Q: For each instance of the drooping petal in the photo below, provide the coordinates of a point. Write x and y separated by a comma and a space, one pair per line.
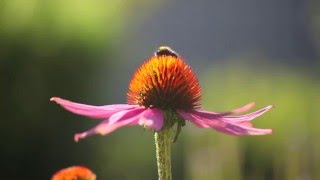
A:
248, 124
117, 120
190, 117
238, 128
242, 118
247, 117
152, 118
242, 109
99, 112
235, 111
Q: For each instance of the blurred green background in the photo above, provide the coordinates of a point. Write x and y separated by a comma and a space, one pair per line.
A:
86, 51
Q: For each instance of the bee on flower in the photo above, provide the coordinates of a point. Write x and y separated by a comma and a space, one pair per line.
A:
164, 92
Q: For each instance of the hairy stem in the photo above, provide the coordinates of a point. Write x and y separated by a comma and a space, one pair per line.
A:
163, 151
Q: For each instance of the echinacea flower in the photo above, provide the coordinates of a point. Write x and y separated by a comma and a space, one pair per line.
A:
74, 173
163, 92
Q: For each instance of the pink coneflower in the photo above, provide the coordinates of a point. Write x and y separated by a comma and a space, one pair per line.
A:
74, 173
163, 92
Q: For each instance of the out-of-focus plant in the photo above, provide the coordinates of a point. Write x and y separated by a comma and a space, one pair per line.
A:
49, 28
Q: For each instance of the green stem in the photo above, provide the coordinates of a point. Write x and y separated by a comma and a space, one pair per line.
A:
163, 151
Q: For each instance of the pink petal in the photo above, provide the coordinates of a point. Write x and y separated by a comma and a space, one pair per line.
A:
117, 120
99, 112
242, 118
151, 118
235, 111
243, 109
238, 129
223, 126
189, 116
248, 124
247, 117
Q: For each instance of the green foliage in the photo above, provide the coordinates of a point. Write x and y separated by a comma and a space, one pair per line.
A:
49, 28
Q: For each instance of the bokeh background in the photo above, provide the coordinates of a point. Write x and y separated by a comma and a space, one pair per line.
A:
86, 51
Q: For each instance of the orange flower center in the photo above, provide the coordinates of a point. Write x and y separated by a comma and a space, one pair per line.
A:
74, 173
165, 81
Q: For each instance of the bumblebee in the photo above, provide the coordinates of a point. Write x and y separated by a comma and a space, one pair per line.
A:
165, 51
